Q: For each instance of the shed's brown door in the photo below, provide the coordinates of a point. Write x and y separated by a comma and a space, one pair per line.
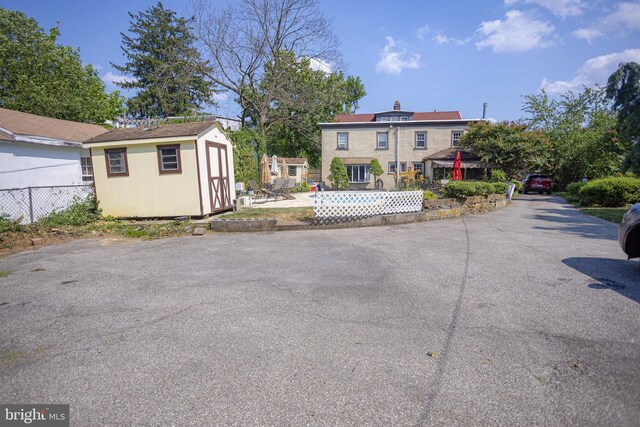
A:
218, 169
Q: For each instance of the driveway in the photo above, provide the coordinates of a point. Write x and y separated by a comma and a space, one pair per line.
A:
526, 316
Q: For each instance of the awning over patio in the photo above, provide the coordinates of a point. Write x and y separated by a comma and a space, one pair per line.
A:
356, 160
464, 165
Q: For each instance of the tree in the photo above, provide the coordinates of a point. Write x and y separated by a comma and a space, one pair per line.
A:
247, 37
581, 129
304, 98
39, 76
339, 178
244, 157
623, 87
376, 170
164, 65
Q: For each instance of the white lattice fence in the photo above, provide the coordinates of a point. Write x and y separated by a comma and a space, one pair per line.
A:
345, 204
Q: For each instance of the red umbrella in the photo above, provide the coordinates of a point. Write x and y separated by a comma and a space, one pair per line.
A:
456, 174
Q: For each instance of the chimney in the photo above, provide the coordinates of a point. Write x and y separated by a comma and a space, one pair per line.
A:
396, 106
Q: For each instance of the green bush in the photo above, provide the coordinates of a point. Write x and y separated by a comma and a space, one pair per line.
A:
81, 212
575, 187
456, 189
610, 192
518, 185
429, 195
500, 187
303, 187
498, 175
7, 225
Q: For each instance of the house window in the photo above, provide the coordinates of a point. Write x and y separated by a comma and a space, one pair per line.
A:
394, 118
169, 159
403, 167
293, 170
383, 119
392, 167
359, 173
404, 118
87, 169
343, 141
419, 168
116, 159
421, 140
455, 137
381, 141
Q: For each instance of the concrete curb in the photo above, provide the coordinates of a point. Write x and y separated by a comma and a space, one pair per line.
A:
455, 208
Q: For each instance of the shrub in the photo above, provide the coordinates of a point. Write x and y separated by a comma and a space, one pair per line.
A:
500, 187
7, 225
429, 195
456, 189
498, 175
81, 212
610, 192
575, 187
338, 177
518, 185
304, 187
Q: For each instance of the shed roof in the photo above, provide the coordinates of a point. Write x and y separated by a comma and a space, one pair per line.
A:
15, 123
290, 160
155, 131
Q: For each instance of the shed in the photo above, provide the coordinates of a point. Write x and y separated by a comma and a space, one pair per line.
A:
297, 167
164, 171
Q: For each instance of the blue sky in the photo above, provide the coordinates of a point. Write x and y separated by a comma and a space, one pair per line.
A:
429, 55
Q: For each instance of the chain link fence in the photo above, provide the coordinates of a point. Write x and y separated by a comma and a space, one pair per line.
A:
30, 204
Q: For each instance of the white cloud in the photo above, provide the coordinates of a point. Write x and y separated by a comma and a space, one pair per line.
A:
220, 97
112, 79
517, 33
394, 58
561, 8
422, 32
595, 70
587, 34
625, 18
442, 39
320, 65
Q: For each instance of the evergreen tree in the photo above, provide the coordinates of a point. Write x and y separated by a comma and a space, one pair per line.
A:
376, 170
165, 67
339, 178
39, 76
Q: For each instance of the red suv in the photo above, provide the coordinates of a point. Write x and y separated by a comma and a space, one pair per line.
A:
536, 182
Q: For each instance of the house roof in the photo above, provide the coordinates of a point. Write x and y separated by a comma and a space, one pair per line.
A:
290, 160
450, 154
155, 131
19, 126
418, 116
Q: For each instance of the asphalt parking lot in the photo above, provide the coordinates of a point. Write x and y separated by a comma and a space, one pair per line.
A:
525, 316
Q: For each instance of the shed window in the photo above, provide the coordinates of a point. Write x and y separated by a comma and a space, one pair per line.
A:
293, 170
87, 169
116, 159
169, 159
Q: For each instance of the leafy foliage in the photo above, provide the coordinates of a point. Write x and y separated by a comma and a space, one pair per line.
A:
429, 195
458, 189
39, 76
498, 175
338, 177
610, 192
164, 65
375, 168
304, 187
581, 129
7, 225
575, 187
244, 161
301, 98
81, 212
510, 145
623, 88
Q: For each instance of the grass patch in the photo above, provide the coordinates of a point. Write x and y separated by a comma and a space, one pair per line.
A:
280, 214
609, 214
12, 356
4, 273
